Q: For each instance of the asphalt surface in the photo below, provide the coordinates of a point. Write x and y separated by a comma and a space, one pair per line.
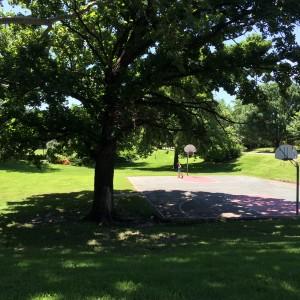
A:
201, 197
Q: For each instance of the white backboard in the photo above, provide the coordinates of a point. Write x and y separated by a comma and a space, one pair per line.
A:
286, 152
190, 149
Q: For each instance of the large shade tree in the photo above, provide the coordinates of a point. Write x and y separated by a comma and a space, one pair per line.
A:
121, 59
267, 123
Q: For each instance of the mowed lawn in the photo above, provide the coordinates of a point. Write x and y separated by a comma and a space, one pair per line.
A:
46, 252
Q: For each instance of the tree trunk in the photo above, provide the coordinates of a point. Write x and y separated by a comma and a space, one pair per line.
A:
102, 207
176, 158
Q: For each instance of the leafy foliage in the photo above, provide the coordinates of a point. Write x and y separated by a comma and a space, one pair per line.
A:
223, 143
266, 123
224, 147
294, 128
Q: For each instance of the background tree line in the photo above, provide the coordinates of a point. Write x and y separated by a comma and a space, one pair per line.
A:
271, 122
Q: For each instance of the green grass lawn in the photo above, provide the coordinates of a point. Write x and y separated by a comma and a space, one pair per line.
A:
47, 253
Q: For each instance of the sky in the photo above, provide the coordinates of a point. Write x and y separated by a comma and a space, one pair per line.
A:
218, 95
15, 9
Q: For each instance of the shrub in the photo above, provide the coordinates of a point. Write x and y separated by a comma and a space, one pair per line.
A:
63, 160
80, 161
53, 148
221, 153
224, 148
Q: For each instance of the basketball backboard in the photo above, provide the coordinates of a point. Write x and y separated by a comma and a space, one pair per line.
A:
190, 149
286, 152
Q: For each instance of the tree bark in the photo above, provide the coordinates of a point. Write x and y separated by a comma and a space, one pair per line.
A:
176, 158
102, 208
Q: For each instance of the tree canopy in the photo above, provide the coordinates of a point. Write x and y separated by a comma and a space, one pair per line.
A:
267, 123
125, 62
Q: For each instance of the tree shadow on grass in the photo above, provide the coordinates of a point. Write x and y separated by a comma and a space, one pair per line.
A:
131, 165
201, 167
210, 167
143, 166
56, 219
46, 252
26, 167
23, 219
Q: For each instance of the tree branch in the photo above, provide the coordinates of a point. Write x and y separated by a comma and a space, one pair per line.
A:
30, 20
94, 35
186, 104
86, 39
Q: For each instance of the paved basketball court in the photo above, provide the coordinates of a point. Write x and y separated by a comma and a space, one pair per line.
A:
217, 196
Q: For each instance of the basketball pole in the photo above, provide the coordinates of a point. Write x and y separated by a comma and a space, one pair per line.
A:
189, 149
187, 164
297, 188
296, 164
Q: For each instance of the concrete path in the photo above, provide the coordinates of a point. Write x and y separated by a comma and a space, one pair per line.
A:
217, 196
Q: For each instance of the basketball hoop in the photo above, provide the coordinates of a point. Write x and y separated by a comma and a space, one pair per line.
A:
286, 152
190, 149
